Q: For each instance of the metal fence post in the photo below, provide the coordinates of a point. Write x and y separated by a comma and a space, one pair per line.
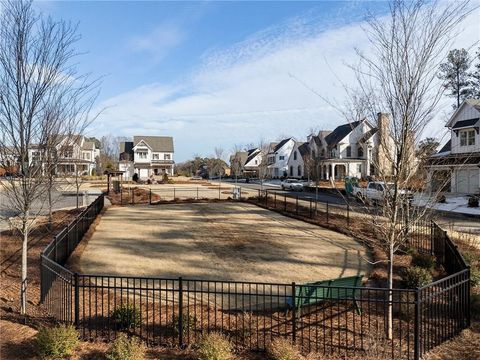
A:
310, 208
121, 195
219, 192
327, 212
150, 197
294, 314
197, 192
467, 284
266, 198
180, 312
296, 210
174, 196
285, 202
348, 215
417, 326
275, 200
77, 300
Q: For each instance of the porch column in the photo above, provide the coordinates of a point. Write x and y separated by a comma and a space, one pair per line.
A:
327, 172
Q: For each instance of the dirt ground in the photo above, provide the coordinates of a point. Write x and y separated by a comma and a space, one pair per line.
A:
223, 241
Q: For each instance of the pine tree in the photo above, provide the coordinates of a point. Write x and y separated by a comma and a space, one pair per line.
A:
454, 73
475, 77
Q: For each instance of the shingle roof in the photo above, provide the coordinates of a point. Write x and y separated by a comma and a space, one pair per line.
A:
88, 145
474, 102
251, 154
340, 132
157, 143
280, 144
304, 149
368, 135
446, 147
465, 123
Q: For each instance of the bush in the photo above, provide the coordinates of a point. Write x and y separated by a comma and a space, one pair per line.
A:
425, 261
188, 324
214, 346
283, 349
126, 317
57, 342
473, 201
475, 276
475, 306
416, 277
124, 348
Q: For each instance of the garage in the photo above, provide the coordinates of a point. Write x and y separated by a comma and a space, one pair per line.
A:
468, 180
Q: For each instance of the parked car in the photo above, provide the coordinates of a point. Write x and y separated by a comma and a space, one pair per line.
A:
376, 191
292, 184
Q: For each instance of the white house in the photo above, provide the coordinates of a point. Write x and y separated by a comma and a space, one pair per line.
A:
353, 149
75, 154
285, 160
147, 156
456, 167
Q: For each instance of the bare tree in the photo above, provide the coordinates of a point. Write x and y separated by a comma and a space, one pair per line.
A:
41, 95
264, 147
401, 74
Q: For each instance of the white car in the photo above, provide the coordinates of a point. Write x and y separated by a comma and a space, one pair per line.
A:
292, 184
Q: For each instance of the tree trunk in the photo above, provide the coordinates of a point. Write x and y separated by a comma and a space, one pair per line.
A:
50, 205
23, 287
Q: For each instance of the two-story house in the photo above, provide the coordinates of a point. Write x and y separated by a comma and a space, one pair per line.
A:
73, 154
355, 149
285, 160
246, 163
147, 156
456, 167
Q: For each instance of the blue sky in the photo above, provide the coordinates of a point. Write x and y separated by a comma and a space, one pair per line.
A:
217, 73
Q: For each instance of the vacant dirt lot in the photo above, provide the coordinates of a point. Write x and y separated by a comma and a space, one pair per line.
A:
224, 241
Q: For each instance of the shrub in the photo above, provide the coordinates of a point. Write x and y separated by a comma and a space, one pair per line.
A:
57, 342
214, 346
475, 276
126, 317
188, 324
475, 306
473, 201
283, 349
425, 261
416, 277
124, 348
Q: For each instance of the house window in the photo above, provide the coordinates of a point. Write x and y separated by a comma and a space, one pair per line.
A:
166, 157
256, 162
360, 152
86, 156
349, 151
299, 170
322, 153
467, 137
142, 155
291, 170
155, 156
294, 155
281, 157
359, 168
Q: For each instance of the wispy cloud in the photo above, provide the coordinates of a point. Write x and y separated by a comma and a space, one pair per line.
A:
246, 92
158, 42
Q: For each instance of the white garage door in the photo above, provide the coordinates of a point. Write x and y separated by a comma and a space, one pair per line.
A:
467, 181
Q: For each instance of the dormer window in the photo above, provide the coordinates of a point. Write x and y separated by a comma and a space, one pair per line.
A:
349, 151
360, 152
294, 155
467, 137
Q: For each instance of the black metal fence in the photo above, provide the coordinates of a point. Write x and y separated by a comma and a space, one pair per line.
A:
333, 319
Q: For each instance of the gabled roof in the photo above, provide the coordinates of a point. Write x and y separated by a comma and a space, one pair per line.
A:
475, 103
367, 135
280, 144
252, 153
240, 156
88, 145
340, 132
157, 143
304, 149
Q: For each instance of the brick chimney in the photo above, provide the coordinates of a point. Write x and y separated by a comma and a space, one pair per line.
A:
382, 158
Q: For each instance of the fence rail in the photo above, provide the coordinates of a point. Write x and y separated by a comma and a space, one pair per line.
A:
339, 320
